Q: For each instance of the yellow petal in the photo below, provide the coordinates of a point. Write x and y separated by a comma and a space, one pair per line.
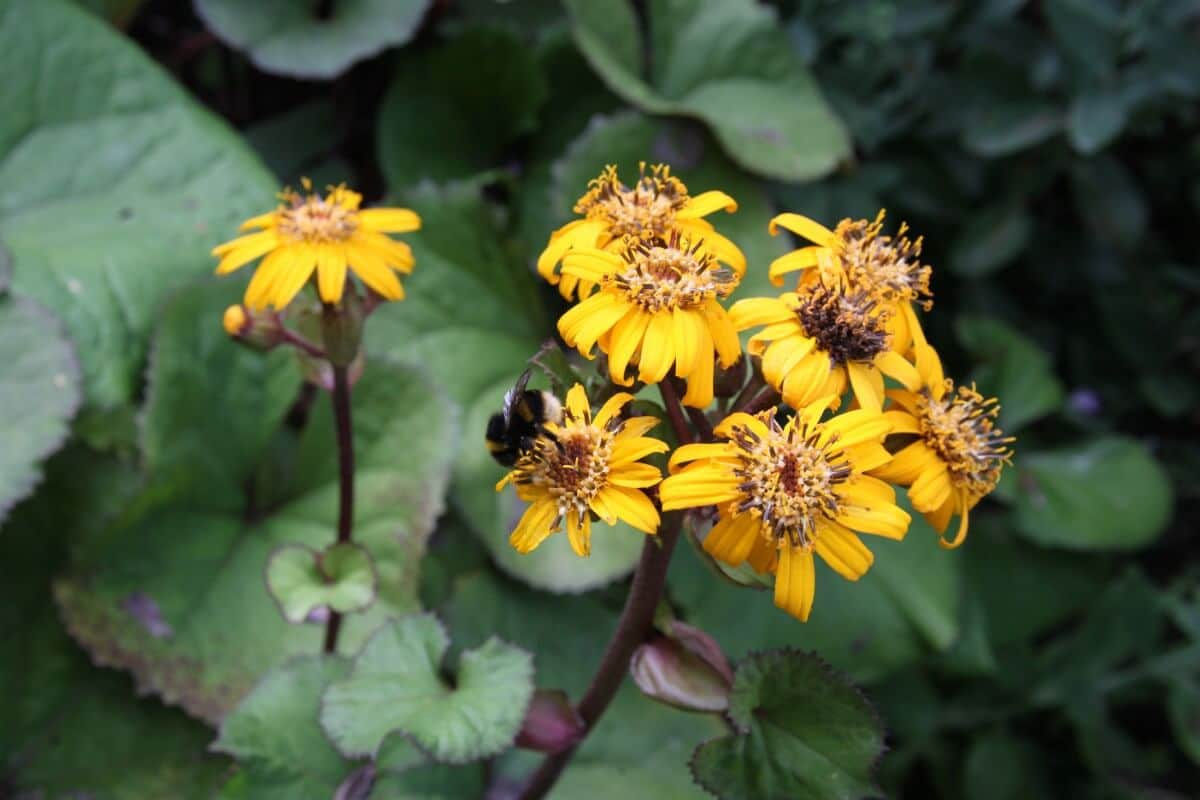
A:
706, 203
372, 268
810, 229
802, 385
843, 551
700, 452
755, 311
686, 342
931, 488
591, 264
626, 338
795, 582
894, 365
241, 251
794, 261
635, 449
868, 385
390, 220
534, 526
331, 272
732, 539
634, 476
699, 392
724, 336
632, 506
882, 519
577, 402
579, 532
611, 408
782, 357
658, 348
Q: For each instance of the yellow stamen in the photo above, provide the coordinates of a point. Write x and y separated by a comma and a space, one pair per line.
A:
648, 208
960, 428
888, 267
670, 273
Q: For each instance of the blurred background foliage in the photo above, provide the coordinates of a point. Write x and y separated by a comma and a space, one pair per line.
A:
1048, 151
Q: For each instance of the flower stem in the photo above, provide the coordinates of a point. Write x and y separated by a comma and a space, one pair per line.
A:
675, 412
636, 622
345, 446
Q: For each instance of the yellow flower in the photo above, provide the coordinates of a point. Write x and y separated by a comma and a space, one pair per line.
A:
821, 339
887, 268
959, 454
655, 206
582, 466
785, 492
328, 235
656, 307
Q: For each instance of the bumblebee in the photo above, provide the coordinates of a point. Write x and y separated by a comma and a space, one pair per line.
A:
512, 430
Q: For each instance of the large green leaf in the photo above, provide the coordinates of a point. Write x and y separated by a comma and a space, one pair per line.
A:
340, 577
439, 121
289, 38
906, 604
473, 316
174, 589
1012, 368
1105, 494
275, 733
39, 393
114, 186
803, 732
397, 685
68, 730
729, 64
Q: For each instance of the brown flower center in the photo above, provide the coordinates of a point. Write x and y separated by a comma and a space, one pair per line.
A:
571, 463
788, 480
671, 273
848, 327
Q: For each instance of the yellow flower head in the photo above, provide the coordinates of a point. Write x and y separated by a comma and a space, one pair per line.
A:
586, 465
822, 338
657, 307
785, 492
656, 205
959, 453
328, 235
858, 253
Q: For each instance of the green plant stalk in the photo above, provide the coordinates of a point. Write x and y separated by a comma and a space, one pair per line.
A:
637, 620
345, 446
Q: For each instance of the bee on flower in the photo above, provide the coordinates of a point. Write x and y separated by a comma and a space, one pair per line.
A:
657, 205
656, 307
785, 493
328, 236
585, 465
958, 454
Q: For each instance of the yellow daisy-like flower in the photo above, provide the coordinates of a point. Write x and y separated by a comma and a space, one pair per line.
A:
656, 205
586, 465
822, 338
857, 252
785, 492
657, 307
959, 453
328, 235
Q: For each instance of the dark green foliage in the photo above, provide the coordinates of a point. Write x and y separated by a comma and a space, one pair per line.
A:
1048, 153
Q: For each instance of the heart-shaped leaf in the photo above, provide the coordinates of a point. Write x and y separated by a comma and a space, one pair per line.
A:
289, 38
275, 733
114, 185
173, 589
729, 64
1105, 494
804, 732
397, 685
39, 393
302, 579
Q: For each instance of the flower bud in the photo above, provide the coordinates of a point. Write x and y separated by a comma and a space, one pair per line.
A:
258, 330
341, 328
686, 670
551, 724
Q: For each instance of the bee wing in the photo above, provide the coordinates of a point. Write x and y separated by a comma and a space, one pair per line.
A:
514, 395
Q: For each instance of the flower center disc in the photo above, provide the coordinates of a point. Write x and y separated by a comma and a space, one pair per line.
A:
647, 209
847, 327
668, 275
572, 466
789, 481
317, 221
960, 430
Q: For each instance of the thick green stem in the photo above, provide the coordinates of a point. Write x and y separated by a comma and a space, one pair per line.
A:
345, 446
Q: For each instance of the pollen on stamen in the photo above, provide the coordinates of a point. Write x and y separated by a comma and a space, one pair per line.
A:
648, 208
888, 267
788, 480
315, 219
669, 273
961, 429
572, 464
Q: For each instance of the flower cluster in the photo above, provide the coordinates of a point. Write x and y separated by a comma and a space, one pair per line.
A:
785, 471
